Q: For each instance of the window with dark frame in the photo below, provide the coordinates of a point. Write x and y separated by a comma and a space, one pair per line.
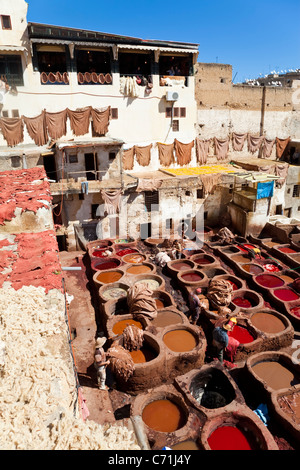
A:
114, 113
151, 200
296, 190
11, 70
177, 112
73, 158
6, 22
175, 125
111, 156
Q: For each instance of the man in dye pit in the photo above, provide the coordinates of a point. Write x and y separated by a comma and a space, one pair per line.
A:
197, 301
100, 362
220, 337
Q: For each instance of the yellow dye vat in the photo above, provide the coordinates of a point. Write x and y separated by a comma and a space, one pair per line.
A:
200, 170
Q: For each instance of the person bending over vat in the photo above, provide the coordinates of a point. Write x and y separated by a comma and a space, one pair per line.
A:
100, 362
197, 301
220, 337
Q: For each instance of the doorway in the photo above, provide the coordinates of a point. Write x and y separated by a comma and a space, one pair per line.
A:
146, 231
50, 166
90, 166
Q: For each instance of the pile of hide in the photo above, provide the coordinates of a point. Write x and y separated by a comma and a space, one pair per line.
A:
219, 292
133, 338
121, 362
140, 301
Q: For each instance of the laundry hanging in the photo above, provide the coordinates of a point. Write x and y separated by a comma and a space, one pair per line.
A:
267, 147
166, 154
281, 170
128, 158
254, 143
100, 119
143, 154
281, 145
209, 182
150, 184
12, 130
265, 189
80, 120
221, 148
112, 200
238, 141
36, 128
56, 124
183, 152
202, 149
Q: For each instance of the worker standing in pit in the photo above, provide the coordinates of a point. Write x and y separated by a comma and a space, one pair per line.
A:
197, 301
100, 362
220, 337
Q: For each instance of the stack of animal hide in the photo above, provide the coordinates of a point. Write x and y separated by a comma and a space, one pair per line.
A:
219, 292
140, 301
133, 338
121, 362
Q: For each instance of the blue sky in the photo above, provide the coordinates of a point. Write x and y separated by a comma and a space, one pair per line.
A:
255, 37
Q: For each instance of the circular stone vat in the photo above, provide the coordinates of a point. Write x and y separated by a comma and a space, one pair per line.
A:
203, 259
295, 311
274, 370
154, 241
269, 322
286, 249
108, 277
120, 325
162, 299
191, 277
124, 241
164, 415
180, 340
288, 276
177, 266
212, 389
286, 294
116, 290
123, 251
142, 268
272, 267
104, 264
152, 281
235, 437
116, 307
269, 281
246, 299
145, 354
240, 259
134, 258
102, 252
241, 334
166, 317
189, 444
252, 268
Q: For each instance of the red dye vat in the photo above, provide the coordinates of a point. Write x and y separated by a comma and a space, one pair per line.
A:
246, 246
191, 277
286, 249
203, 261
241, 334
229, 438
296, 311
271, 268
267, 280
106, 265
126, 251
242, 302
234, 286
101, 253
287, 295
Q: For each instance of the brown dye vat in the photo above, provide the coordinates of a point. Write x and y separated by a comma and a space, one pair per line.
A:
139, 269
165, 318
252, 268
267, 323
192, 277
286, 279
275, 374
186, 445
159, 304
144, 354
240, 258
164, 416
181, 265
203, 259
119, 327
109, 277
180, 340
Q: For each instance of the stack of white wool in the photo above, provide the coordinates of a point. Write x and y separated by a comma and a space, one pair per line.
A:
38, 396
